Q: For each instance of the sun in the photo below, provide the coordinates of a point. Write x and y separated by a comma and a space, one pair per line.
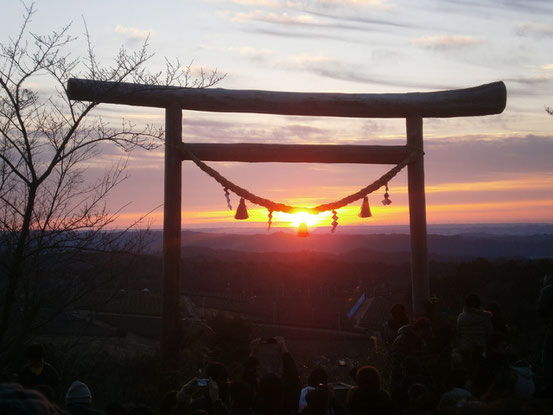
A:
299, 217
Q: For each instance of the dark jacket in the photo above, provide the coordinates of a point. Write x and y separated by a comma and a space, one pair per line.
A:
474, 326
371, 402
49, 376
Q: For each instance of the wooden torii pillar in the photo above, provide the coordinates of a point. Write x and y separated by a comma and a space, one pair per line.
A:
481, 100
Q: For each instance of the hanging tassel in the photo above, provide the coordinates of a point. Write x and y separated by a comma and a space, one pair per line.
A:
270, 222
365, 209
302, 230
386, 200
227, 196
334, 221
241, 211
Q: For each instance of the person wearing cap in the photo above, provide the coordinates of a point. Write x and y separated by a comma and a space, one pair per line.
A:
38, 374
78, 400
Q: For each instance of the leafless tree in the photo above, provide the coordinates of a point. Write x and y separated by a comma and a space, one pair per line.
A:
48, 208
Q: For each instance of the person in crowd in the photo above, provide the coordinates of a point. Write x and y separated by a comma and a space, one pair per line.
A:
38, 373
168, 402
398, 318
524, 387
241, 398
140, 410
116, 408
208, 397
493, 378
474, 325
498, 322
413, 373
420, 400
277, 395
368, 397
545, 310
457, 394
412, 341
317, 377
78, 400
317, 402
14, 399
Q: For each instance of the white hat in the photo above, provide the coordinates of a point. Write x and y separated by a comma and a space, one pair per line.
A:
78, 392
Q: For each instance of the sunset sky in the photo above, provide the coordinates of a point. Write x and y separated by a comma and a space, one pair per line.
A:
478, 169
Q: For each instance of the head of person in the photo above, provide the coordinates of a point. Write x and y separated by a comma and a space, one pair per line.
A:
423, 328
318, 376
473, 301
368, 379
218, 372
242, 395
35, 355
16, 400
78, 394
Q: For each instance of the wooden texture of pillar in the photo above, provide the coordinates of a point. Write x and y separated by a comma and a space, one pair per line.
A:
171, 327
417, 218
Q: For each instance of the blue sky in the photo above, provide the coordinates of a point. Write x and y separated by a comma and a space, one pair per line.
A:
485, 169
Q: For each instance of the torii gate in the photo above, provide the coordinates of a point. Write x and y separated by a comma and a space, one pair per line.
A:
481, 100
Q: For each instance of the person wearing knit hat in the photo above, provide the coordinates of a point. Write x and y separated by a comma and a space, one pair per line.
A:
78, 400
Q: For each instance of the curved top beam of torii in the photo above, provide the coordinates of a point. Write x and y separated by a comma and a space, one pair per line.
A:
480, 100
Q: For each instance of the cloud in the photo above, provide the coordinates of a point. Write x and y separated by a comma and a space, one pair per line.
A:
252, 53
332, 68
532, 79
548, 67
132, 34
443, 42
260, 3
534, 29
483, 158
278, 18
373, 4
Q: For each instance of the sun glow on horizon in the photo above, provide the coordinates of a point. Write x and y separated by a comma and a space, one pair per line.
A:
295, 219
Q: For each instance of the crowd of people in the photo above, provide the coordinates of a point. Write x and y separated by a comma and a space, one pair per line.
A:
435, 365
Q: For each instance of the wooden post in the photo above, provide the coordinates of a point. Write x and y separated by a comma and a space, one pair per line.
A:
171, 327
417, 218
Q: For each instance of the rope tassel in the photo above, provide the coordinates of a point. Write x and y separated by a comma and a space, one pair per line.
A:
365, 209
227, 196
386, 201
270, 222
241, 211
334, 220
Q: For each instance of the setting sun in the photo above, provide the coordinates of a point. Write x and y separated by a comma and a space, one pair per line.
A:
295, 219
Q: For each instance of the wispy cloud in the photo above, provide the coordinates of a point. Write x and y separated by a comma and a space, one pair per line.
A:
444, 42
278, 18
534, 29
332, 68
252, 53
133, 34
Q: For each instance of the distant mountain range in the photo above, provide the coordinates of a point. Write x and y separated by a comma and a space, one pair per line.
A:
445, 242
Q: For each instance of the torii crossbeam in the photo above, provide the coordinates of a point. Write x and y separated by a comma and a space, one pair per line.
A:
481, 100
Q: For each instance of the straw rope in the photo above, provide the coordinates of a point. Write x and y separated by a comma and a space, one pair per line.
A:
281, 207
